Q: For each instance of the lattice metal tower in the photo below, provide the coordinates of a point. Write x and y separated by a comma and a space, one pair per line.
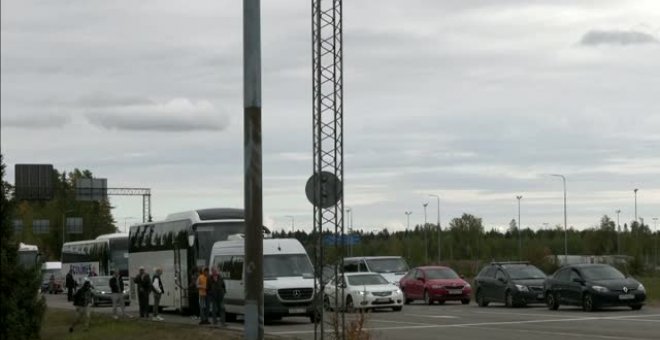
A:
328, 140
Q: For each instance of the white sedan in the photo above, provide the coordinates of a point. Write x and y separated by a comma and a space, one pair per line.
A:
362, 291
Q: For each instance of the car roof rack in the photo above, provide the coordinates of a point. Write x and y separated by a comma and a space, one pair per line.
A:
499, 263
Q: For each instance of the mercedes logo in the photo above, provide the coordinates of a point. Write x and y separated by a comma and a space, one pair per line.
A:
625, 289
296, 293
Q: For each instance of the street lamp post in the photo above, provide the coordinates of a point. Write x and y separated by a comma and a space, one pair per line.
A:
350, 231
655, 226
635, 191
563, 178
519, 197
618, 232
293, 219
439, 229
408, 213
426, 242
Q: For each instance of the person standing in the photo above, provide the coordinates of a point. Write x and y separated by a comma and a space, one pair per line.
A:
216, 294
81, 300
203, 302
117, 289
194, 295
70, 285
157, 287
143, 283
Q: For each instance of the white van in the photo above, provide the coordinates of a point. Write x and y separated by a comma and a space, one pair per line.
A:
288, 277
392, 268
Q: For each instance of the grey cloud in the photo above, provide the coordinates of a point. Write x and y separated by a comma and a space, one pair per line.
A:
106, 100
31, 121
617, 37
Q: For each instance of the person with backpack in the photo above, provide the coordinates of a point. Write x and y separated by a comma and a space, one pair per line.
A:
143, 283
216, 295
157, 287
81, 300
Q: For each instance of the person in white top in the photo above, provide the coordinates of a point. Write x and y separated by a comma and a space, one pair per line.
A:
157, 287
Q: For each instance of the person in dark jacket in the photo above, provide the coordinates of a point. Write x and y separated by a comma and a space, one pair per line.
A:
81, 300
157, 287
216, 295
70, 285
193, 299
143, 283
117, 289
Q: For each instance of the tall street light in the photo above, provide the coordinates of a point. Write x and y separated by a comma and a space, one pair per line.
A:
618, 232
408, 213
426, 242
349, 217
565, 219
655, 226
293, 219
519, 197
439, 228
635, 191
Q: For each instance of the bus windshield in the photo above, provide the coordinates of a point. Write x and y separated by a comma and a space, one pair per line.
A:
119, 255
27, 258
209, 233
287, 265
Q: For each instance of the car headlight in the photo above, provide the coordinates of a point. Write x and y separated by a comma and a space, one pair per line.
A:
641, 288
599, 289
467, 285
102, 292
270, 291
125, 291
522, 288
362, 292
398, 291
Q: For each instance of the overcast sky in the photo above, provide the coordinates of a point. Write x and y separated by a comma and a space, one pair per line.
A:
476, 101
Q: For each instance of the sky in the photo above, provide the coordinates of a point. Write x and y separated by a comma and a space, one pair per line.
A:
474, 101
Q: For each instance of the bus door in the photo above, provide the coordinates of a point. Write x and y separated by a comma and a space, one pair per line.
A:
180, 295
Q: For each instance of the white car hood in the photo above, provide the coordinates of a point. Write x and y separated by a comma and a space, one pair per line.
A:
288, 282
374, 288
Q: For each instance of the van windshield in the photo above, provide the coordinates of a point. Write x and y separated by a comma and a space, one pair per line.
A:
283, 265
388, 265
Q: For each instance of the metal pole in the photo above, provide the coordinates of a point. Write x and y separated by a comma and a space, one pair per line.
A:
408, 213
350, 241
563, 178
439, 229
293, 219
618, 232
519, 197
426, 242
254, 298
635, 191
655, 226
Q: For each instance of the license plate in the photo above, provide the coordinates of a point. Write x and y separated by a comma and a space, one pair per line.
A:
626, 297
455, 291
297, 310
540, 296
383, 300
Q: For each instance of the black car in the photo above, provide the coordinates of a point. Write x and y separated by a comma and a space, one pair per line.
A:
592, 286
514, 283
101, 292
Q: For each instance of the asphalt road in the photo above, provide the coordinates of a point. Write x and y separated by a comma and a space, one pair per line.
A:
457, 321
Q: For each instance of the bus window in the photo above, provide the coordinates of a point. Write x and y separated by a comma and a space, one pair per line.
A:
236, 272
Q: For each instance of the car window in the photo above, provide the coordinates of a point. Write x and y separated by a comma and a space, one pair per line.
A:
500, 275
351, 267
419, 274
573, 275
487, 272
362, 267
562, 275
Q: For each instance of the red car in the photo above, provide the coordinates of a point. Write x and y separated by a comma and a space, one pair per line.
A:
435, 283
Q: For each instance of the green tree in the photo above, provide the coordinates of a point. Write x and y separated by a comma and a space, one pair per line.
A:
21, 305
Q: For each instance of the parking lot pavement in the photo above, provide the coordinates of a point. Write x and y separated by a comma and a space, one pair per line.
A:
418, 321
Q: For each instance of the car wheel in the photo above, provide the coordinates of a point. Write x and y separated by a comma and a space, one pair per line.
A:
588, 303
636, 307
508, 299
481, 302
397, 308
465, 301
427, 298
552, 301
349, 304
406, 300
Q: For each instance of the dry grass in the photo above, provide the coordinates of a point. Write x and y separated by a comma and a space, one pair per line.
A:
355, 326
56, 326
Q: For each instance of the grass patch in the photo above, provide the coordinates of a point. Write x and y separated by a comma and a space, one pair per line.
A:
57, 321
652, 285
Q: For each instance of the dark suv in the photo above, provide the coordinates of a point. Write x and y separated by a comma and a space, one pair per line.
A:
514, 283
592, 286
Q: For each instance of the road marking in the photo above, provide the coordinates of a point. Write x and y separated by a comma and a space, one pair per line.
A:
579, 335
481, 324
524, 314
640, 320
401, 322
434, 316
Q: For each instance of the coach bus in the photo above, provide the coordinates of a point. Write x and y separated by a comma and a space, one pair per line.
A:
99, 256
28, 255
178, 245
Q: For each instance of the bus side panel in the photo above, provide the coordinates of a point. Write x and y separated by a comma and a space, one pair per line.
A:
151, 260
